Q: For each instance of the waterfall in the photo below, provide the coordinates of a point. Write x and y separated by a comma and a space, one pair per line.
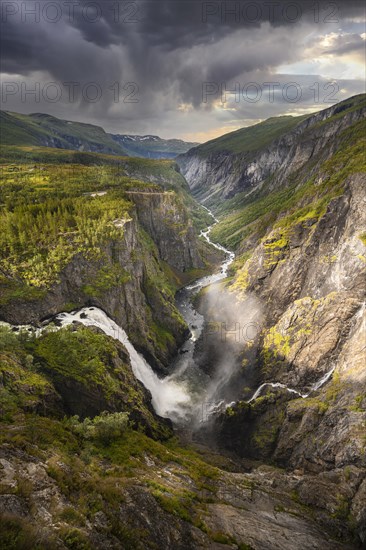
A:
171, 396
313, 388
169, 399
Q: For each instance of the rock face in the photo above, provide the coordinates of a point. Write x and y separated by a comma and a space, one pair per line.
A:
168, 224
220, 175
315, 285
141, 299
309, 274
255, 510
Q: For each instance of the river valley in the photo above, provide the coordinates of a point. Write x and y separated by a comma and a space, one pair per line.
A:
188, 396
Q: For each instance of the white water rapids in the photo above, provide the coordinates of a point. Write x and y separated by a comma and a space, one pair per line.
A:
180, 396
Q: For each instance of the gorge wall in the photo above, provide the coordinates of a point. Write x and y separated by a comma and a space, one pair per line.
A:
133, 279
216, 173
296, 216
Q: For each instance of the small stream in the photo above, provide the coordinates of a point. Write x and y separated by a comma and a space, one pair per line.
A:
182, 395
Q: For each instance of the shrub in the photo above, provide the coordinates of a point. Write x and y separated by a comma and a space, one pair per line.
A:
19, 534
75, 540
104, 428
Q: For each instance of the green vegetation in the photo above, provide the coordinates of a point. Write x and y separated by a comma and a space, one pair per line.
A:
277, 341
343, 508
174, 504
242, 280
105, 428
19, 534
266, 431
57, 204
360, 400
345, 107
300, 200
363, 238
107, 278
72, 360
42, 129
48, 216
313, 403
81, 355
93, 460
75, 539
252, 138
275, 249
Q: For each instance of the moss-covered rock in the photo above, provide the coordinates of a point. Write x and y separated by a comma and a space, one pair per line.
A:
75, 371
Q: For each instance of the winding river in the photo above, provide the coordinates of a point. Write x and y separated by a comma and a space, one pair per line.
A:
181, 395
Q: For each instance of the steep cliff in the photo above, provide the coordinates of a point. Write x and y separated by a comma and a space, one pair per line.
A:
301, 254
108, 240
267, 154
168, 224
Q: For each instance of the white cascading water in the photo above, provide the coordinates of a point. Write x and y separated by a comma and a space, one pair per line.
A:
169, 399
313, 388
171, 396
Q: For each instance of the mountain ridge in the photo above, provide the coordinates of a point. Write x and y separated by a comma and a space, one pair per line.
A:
41, 129
215, 176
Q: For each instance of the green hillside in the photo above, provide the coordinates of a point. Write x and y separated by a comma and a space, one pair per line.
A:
258, 136
251, 138
20, 130
47, 213
40, 129
301, 197
46, 130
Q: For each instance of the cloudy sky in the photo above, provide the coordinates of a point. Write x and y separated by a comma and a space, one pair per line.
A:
179, 68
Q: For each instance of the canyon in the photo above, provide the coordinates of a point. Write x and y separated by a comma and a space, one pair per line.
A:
234, 340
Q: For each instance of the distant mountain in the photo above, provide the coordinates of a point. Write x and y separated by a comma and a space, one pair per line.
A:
250, 138
152, 146
45, 130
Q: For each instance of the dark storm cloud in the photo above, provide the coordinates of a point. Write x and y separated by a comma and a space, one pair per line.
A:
168, 48
161, 25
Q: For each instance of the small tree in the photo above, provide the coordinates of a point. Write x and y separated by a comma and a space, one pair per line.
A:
105, 428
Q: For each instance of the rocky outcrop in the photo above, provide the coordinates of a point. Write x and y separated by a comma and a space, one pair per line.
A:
75, 371
115, 390
168, 224
164, 506
311, 276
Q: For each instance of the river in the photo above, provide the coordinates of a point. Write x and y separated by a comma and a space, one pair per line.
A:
184, 395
